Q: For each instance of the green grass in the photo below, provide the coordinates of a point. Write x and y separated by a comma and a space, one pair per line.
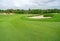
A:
20, 28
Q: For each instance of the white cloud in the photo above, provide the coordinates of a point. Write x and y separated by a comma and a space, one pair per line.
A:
26, 4
20, 3
54, 3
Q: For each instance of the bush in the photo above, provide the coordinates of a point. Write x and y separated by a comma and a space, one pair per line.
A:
48, 15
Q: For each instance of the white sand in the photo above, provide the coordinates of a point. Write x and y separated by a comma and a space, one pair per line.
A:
39, 17
6, 14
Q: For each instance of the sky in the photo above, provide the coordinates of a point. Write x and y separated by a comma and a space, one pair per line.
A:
32, 4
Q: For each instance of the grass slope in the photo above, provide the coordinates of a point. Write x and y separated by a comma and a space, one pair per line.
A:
14, 28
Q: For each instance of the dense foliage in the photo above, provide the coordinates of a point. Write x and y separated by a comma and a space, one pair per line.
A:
30, 11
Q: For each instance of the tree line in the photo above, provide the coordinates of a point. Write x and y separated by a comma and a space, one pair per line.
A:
30, 11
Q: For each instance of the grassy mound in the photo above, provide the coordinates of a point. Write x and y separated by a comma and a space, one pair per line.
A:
48, 15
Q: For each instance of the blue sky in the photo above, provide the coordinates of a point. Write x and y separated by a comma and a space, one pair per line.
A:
26, 4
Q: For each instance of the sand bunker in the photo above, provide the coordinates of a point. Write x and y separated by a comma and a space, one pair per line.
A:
39, 17
6, 14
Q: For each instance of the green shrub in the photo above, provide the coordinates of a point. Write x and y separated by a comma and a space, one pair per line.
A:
48, 15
